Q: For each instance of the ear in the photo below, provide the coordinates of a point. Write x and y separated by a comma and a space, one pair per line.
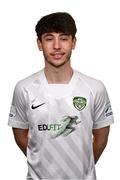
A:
39, 44
74, 43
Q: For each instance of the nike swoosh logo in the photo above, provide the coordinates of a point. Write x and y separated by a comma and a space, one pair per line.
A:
34, 107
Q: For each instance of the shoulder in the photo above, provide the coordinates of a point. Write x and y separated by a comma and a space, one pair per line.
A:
25, 83
94, 85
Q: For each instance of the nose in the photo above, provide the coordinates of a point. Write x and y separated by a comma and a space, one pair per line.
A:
56, 44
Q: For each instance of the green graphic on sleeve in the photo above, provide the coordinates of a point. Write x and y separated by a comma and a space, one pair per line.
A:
79, 103
67, 125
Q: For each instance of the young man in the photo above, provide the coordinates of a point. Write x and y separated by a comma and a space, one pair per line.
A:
60, 117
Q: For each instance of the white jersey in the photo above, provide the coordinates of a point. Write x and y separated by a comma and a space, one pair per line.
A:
60, 119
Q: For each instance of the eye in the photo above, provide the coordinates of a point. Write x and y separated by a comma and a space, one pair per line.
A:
49, 39
64, 38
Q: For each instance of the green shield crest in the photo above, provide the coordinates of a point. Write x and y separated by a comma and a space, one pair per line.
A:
79, 103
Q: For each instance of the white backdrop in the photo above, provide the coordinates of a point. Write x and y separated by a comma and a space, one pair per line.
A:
97, 54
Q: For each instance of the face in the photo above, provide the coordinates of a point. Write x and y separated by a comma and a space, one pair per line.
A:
57, 48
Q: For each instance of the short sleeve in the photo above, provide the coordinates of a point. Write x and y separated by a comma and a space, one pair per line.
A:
17, 115
103, 115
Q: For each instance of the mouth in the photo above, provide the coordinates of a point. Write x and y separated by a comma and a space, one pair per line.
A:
57, 55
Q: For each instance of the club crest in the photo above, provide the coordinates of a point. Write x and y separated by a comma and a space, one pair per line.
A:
79, 103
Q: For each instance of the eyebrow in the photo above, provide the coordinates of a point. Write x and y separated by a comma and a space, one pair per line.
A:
64, 34
47, 34
50, 34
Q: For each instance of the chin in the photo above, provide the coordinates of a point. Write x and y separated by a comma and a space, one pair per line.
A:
57, 65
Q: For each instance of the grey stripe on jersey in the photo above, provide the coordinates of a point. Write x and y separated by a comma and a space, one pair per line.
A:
61, 172
68, 156
55, 151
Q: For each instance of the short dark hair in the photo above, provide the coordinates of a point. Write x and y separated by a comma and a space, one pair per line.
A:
56, 22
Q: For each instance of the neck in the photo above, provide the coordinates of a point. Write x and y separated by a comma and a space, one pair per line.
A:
61, 75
